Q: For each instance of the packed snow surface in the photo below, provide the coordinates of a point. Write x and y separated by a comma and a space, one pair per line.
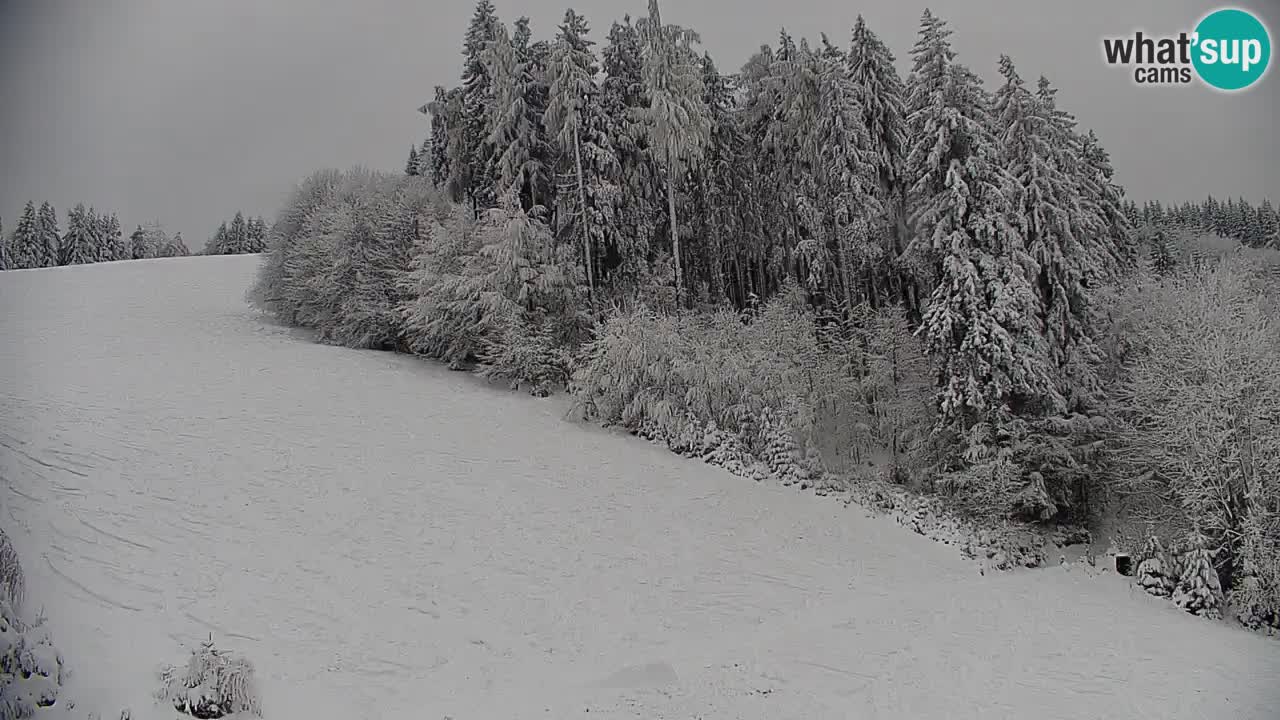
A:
387, 539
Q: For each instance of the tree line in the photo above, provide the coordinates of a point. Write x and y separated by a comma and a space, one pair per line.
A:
1257, 227
238, 237
90, 237
817, 262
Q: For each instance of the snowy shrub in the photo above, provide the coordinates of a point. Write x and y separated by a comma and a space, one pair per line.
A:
1198, 590
797, 399
1255, 594
504, 293
12, 582
213, 684
372, 258
313, 192
1155, 571
31, 669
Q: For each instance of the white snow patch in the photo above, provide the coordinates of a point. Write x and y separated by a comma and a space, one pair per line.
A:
382, 538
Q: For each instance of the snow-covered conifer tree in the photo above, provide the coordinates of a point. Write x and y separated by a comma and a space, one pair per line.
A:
78, 244
980, 318
572, 114
51, 238
138, 249
25, 246
513, 132
676, 120
411, 165
881, 93
1047, 210
476, 100
636, 175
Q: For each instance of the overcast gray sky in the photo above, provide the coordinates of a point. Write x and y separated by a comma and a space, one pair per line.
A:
184, 111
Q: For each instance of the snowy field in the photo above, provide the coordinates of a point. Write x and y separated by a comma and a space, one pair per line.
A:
386, 539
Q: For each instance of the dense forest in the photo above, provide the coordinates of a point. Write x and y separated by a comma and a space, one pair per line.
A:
818, 266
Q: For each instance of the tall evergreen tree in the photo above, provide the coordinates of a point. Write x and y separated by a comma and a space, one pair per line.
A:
237, 235
980, 318
79, 245
881, 93
138, 249
117, 248
26, 247
513, 143
635, 173
572, 112
255, 235
50, 236
677, 121
1047, 213
477, 99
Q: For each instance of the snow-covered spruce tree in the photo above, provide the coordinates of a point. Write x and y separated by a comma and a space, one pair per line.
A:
676, 120
1197, 589
78, 243
719, 183
575, 120
5, 262
1044, 205
51, 238
841, 154
116, 246
137, 244
513, 143
980, 320
412, 164
1102, 231
470, 172
25, 246
220, 243
237, 235
634, 171
1154, 573
213, 684
446, 119
882, 97
540, 279
256, 235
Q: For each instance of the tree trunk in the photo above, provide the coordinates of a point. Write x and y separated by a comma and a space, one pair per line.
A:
582, 216
675, 232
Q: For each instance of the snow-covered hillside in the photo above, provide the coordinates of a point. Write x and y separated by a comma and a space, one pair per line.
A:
386, 539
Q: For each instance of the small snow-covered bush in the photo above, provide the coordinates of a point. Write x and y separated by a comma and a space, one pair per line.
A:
1198, 590
12, 582
213, 684
31, 669
1155, 572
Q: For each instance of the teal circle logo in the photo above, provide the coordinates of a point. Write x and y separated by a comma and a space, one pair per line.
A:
1232, 49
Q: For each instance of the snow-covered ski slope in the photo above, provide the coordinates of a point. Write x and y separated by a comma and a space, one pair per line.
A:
386, 539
